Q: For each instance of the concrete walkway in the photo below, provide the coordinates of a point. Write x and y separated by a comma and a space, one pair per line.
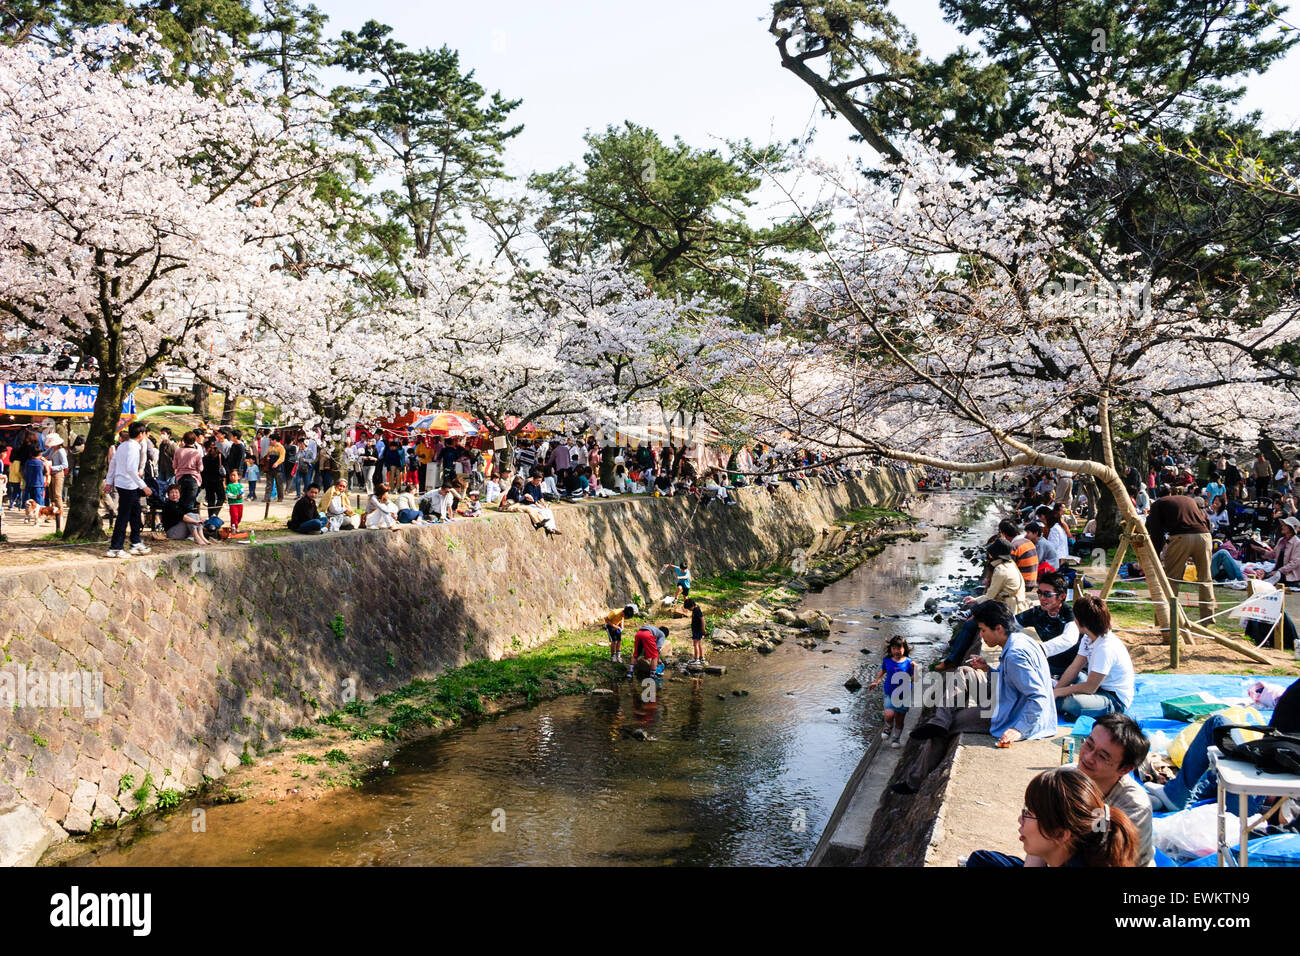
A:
981, 807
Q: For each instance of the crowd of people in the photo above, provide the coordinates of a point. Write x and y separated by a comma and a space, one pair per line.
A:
1060, 662
1210, 519
195, 485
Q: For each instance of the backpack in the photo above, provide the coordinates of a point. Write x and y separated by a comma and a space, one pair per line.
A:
1275, 752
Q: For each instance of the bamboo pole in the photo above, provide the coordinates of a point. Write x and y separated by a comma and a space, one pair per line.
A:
1243, 649
1278, 628
1173, 633
1113, 571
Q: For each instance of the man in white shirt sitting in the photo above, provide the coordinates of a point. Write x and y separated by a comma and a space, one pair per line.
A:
439, 503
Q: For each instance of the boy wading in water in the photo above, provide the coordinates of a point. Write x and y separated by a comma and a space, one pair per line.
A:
614, 628
697, 630
896, 671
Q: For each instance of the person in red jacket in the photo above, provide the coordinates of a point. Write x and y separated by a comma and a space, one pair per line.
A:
645, 650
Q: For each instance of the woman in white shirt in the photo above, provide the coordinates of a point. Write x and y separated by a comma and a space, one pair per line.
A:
491, 490
1108, 686
1057, 531
380, 512
1218, 515
1143, 501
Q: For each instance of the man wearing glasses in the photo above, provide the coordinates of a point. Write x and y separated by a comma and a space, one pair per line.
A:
1053, 622
1108, 755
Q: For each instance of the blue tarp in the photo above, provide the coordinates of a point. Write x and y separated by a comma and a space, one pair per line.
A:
1150, 689
1280, 849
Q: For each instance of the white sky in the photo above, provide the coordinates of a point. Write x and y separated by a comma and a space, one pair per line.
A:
706, 70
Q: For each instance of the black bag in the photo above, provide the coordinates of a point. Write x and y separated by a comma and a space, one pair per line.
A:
1261, 632
1275, 752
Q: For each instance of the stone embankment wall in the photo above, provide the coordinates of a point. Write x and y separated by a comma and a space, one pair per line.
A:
206, 653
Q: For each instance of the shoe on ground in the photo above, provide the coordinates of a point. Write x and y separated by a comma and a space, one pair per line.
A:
896, 740
141, 548
116, 553
884, 734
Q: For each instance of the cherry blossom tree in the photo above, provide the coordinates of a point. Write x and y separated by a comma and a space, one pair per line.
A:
628, 349
961, 321
517, 347
137, 213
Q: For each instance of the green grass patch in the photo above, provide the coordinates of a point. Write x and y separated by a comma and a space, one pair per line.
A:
736, 587
567, 664
863, 515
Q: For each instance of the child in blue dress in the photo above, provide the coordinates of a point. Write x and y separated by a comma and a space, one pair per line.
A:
896, 673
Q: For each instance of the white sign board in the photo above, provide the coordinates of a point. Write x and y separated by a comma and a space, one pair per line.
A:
1264, 605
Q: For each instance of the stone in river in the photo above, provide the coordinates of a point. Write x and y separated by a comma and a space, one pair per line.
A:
715, 669
833, 710
853, 685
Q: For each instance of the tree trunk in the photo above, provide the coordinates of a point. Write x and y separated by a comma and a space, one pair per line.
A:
1150, 561
228, 402
200, 399
1274, 454
83, 519
607, 465
504, 460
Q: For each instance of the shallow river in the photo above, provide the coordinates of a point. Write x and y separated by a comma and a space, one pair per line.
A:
729, 779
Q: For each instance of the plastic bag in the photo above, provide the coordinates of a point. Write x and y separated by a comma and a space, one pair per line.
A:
1193, 833
1159, 742
1261, 694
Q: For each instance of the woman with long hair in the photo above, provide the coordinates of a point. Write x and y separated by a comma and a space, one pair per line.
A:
214, 478
1109, 684
188, 465
1066, 822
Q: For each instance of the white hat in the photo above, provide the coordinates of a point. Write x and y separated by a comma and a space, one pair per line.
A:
54, 441
1293, 522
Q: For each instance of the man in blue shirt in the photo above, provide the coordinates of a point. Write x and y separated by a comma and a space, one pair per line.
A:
1012, 702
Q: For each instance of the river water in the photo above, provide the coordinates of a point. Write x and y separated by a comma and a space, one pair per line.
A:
729, 780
